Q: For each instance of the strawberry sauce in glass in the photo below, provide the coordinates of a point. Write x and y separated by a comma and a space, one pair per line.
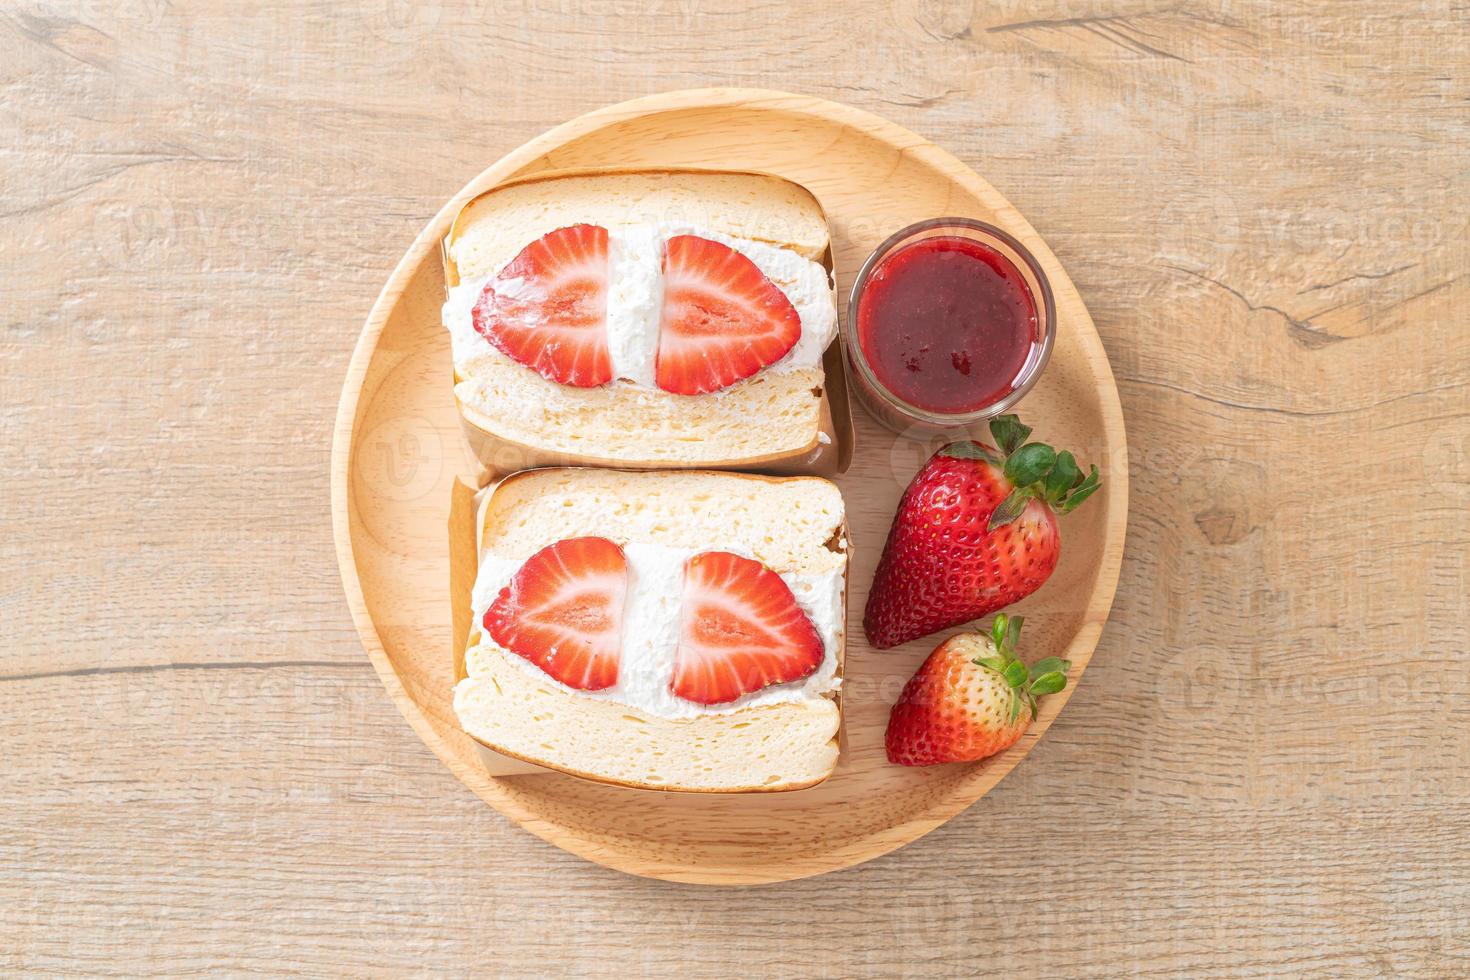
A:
950, 323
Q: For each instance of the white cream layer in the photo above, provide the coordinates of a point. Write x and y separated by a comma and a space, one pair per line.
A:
651, 632
635, 301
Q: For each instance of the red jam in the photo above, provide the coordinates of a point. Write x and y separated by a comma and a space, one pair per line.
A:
946, 324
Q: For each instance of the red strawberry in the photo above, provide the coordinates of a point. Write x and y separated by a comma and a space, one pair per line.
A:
970, 699
723, 320
975, 531
740, 630
563, 611
547, 309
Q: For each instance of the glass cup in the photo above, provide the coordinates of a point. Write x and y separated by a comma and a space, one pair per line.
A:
909, 419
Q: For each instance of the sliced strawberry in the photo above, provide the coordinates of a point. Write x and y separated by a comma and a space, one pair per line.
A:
547, 309
723, 320
740, 630
563, 611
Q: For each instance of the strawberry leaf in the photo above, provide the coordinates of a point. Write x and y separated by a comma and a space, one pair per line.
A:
998, 630
1012, 633
1063, 476
1049, 664
1049, 683
973, 450
1008, 432
1015, 709
1030, 463
1015, 673
1084, 490
1035, 468
1009, 509
997, 664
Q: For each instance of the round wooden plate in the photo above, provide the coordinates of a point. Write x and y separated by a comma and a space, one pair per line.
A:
397, 450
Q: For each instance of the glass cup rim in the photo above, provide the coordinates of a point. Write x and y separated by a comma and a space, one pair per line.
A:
1034, 367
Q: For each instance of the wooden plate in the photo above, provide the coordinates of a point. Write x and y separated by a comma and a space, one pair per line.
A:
397, 450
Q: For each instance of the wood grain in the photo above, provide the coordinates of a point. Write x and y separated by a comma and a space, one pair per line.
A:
1265, 770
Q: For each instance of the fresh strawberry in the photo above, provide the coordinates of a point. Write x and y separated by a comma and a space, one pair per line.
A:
723, 320
547, 309
975, 531
740, 630
970, 699
563, 611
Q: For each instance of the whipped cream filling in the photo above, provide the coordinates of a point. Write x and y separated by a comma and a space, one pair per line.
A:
635, 301
651, 632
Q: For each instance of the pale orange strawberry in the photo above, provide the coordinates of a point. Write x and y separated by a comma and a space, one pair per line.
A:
722, 320
563, 611
740, 630
547, 309
970, 699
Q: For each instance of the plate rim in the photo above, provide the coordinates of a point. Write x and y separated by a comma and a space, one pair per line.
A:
855, 850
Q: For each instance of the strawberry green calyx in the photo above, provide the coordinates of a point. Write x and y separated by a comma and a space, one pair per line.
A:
1034, 469
1046, 676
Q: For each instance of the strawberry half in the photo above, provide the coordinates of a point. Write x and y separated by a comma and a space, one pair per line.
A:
723, 320
975, 531
970, 699
740, 630
547, 309
563, 611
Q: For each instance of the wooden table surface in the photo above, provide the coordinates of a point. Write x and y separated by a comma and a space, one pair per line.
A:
1266, 768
